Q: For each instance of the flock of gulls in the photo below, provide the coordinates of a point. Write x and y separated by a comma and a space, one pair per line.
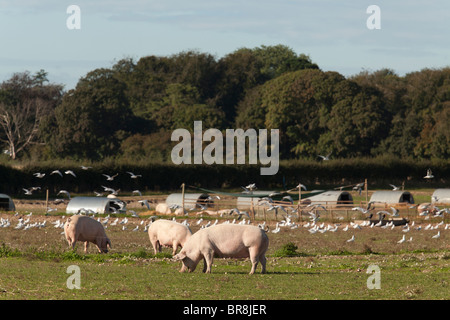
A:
40, 175
292, 219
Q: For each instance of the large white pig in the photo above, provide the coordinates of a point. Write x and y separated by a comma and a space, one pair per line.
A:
224, 241
84, 228
168, 233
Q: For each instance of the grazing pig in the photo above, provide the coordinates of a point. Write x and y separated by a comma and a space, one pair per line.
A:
169, 234
83, 228
225, 241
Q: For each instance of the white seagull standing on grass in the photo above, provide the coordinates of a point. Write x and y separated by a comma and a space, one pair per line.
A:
437, 235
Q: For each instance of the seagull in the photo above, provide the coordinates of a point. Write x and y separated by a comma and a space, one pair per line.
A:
144, 203
394, 212
352, 239
115, 192
276, 209
277, 228
327, 157
138, 192
402, 239
437, 235
85, 168
110, 178
135, 229
429, 174
56, 172
360, 209
394, 188
70, 172
39, 175
98, 194
133, 213
65, 192
134, 176
28, 192
249, 188
301, 186
359, 187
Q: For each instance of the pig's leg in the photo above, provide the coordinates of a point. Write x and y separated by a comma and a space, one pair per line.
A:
73, 242
208, 259
262, 259
86, 245
174, 247
254, 259
155, 246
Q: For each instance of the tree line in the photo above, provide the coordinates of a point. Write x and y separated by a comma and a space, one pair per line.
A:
129, 111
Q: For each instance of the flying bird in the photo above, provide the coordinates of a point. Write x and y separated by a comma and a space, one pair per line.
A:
327, 157
110, 178
249, 188
144, 203
394, 187
65, 192
429, 174
115, 192
352, 239
56, 172
70, 172
85, 168
28, 192
134, 176
359, 187
39, 175
301, 186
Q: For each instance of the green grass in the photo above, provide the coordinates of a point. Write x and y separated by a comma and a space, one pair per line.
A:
408, 276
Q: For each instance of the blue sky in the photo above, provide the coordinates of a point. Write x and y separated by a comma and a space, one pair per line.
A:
33, 34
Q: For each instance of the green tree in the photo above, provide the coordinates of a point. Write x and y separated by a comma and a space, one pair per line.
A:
92, 119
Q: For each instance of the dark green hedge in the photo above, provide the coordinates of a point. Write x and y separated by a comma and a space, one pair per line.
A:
168, 177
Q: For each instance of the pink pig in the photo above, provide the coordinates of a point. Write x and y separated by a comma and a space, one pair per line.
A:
224, 241
83, 228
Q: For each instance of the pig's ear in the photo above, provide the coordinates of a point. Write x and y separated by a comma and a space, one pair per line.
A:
180, 256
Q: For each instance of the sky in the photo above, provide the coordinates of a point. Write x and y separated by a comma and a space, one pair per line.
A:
34, 34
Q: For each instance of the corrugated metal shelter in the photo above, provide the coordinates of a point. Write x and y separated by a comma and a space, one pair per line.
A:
96, 204
392, 197
441, 196
6, 203
191, 200
332, 197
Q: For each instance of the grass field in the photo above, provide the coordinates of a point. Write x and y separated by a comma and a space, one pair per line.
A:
301, 265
